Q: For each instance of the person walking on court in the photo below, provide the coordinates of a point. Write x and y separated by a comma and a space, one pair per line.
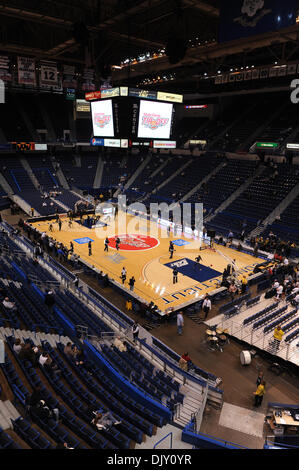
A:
50, 228
171, 250
123, 275
131, 283
106, 244
259, 393
206, 306
59, 224
117, 243
180, 323
72, 247
135, 330
198, 259
175, 275
89, 248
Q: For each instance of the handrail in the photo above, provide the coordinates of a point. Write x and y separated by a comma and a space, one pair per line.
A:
163, 438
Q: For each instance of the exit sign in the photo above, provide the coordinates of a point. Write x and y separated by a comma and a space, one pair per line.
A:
269, 145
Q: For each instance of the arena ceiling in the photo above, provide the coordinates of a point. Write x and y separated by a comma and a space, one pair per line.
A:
120, 29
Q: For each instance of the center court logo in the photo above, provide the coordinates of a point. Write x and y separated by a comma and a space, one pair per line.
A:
101, 120
153, 121
134, 242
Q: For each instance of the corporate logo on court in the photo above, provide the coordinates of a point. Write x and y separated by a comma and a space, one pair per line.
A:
134, 242
153, 121
101, 119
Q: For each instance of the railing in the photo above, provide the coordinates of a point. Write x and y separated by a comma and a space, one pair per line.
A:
198, 416
256, 337
163, 439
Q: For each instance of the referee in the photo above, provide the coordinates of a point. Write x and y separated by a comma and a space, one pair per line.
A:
175, 275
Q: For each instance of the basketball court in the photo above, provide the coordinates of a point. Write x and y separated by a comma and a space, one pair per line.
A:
144, 252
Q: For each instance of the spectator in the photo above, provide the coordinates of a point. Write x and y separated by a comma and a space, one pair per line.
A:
259, 393
43, 358
131, 283
135, 330
50, 299
278, 334
206, 306
68, 350
119, 344
8, 304
180, 323
104, 421
17, 347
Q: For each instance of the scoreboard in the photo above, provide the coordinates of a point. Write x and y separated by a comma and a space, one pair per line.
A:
131, 114
28, 146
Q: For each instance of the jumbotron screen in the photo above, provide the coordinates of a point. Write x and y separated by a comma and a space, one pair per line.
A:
155, 120
102, 118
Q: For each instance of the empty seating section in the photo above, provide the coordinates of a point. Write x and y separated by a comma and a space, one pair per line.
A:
253, 205
67, 198
144, 183
265, 319
260, 314
229, 179
113, 171
280, 320
287, 226
173, 165
199, 168
236, 302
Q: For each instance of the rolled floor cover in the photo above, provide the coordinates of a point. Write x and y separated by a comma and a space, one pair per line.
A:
245, 358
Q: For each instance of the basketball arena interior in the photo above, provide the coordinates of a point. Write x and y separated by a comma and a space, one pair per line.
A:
149, 225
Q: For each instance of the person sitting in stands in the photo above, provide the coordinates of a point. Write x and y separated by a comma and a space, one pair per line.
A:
27, 354
119, 344
104, 421
8, 304
17, 347
68, 350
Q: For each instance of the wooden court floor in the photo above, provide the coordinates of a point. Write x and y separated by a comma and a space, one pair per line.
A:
144, 252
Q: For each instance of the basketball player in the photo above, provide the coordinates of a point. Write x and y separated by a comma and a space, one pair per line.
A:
117, 243
123, 275
59, 224
70, 223
171, 250
106, 244
175, 275
89, 248
72, 247
50, 228
198, 259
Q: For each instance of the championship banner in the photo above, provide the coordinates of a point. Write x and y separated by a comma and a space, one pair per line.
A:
244, 18
48, 75
5, 74
69, 74
88, 80
26, 71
